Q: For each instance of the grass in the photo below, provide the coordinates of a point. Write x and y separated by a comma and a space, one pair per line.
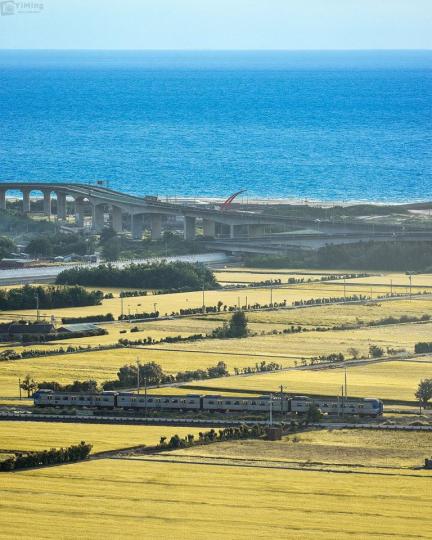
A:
160, 500
385, 380
29, 436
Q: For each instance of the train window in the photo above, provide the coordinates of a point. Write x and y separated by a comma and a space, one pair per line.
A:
262, 404
253, 402
191, 401
175, 400
150, 400
361, 406
50, 397
211, 402
141, 400
165, 400
183, 401
81, 398
227, 402
236, 402
104, 399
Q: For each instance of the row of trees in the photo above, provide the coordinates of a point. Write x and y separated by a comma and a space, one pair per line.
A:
29, 297
76, 452
402, 256
206, 437
178, 275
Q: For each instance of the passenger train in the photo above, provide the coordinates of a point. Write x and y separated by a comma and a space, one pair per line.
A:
196, 402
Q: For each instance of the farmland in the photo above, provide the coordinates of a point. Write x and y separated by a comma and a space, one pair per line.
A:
353, 448
387, 380
160, 500
31, 436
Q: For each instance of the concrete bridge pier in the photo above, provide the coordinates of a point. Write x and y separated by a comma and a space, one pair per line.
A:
47, 203
116, 219
209, 228
98, 217
26, 201
189, 228
156, 226
61, 206
256, 230
137, 226
3, 199
79, 212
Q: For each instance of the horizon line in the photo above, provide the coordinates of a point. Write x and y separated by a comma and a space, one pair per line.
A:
36, 49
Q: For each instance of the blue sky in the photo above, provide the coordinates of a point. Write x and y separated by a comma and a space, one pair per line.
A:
221, 24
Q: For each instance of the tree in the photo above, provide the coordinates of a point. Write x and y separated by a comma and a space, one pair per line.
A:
111, 250
424, 391
313, 415
6, 247
107, 235
375, 351
40, 247
29, 385
354, 353
238, 325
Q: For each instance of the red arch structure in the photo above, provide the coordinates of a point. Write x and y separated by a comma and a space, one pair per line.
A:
227, 203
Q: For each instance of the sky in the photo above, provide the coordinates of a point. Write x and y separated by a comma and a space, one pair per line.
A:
217, 24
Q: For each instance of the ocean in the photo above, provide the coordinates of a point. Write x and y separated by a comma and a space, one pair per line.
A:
331, 126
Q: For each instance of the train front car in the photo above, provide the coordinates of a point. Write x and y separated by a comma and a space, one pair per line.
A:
49, 398
372, 407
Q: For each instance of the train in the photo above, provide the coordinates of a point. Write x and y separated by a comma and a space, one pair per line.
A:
277, 403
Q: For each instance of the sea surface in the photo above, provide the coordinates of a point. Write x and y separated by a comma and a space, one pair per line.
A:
331, 126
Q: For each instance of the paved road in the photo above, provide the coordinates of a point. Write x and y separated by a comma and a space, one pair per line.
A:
49, 273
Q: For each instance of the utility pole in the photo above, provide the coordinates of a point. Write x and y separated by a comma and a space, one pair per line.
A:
37, 306
138, 376
145, 396
343, 402
410, 280
19, 388
271, 296
246, 302
344, 288
391, 287
346, 387
203, 298
121, 306
271, 410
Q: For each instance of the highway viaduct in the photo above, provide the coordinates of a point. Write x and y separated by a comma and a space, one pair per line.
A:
242, 230
106, 202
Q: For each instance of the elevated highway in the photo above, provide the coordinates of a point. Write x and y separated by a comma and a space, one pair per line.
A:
95, 207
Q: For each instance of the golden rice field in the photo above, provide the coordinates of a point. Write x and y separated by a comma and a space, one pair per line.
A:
255, 276
336, 314
398, 279
30, 436
137, 499
385, 380
349, 447
307, 344
168, 303
103, 365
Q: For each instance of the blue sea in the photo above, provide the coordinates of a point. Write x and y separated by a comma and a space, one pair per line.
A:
305, 125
